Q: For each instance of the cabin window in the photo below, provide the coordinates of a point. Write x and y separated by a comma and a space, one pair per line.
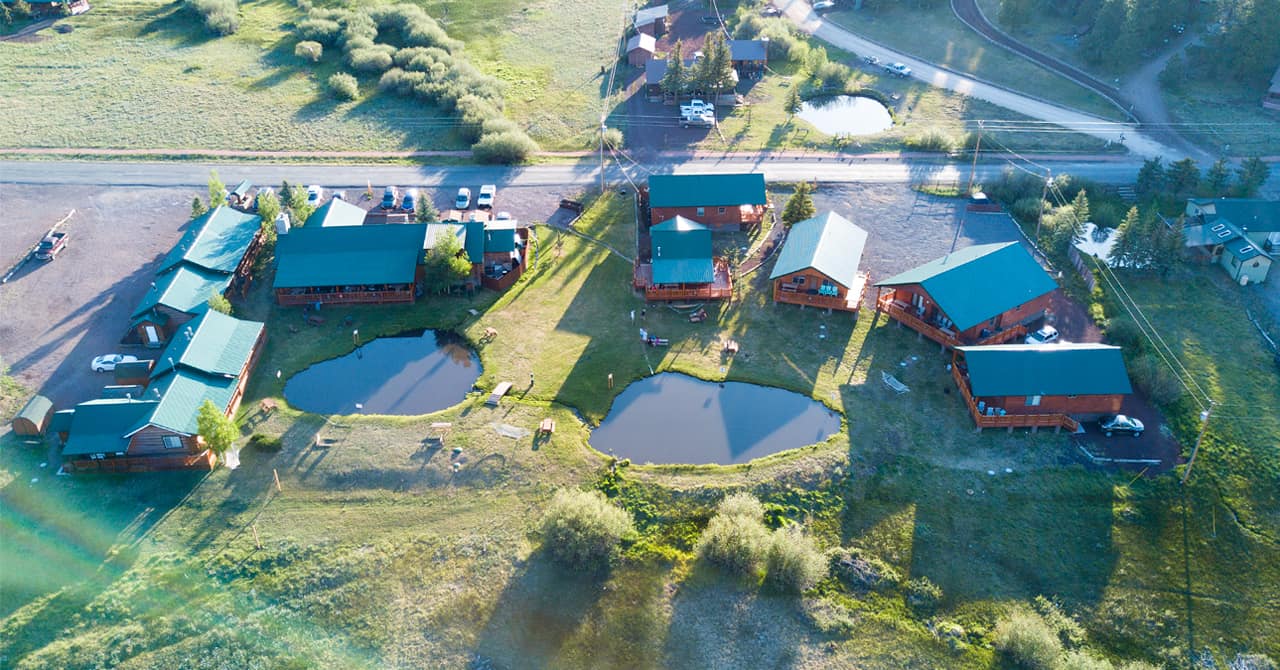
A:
800, 279
172, 442
720, 210
1256, 263
918, 301
1033, 401
702, 211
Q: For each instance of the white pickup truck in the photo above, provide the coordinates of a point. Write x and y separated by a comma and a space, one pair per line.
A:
698, 114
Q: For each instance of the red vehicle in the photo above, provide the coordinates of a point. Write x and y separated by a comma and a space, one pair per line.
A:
51, 246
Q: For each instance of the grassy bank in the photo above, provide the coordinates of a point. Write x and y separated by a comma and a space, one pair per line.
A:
377, 552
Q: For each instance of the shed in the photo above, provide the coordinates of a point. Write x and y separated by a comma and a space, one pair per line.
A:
34, 417
640, 49
239, 196
652, 20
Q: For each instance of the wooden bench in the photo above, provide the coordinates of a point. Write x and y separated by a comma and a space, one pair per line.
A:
547, 427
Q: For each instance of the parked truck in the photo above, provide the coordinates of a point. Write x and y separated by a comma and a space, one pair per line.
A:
51, 246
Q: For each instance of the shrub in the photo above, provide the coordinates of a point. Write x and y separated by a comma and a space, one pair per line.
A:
831, 76
268, 443
219, 302
1026, 209
581, 530
1122, 331
344, 86
923, 595
1025, 641
220, 16
930, 141
309, 49
1150, 373
741, 504
613, 138
376, 58
794, 563
1082, 660
735, 539
506, 148
324, 31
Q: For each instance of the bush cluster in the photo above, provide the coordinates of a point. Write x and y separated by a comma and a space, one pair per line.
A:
737, 541
582, 530
1025, 641
930, 141
220, 16
794, 563
309, 50
344, 86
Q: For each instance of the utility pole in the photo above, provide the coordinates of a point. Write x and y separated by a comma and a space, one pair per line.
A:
1044, 193
1204, 425
977, 149
602, 129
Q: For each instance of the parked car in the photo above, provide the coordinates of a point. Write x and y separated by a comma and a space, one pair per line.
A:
1045, 335
339, 195
389, 197
821, 5
771, 11
898, 69
463, 201
409, 203
871, 60
1122, 424
108, 362
698, 120
503, 216
485, 199
314, 195
51, 246
711, 20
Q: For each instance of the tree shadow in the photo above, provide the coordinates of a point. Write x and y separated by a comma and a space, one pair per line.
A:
176, 23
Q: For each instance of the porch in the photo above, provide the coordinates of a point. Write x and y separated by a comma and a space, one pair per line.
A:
720, 288
989, 417
795, 295
903, 313
204, 460
345, 295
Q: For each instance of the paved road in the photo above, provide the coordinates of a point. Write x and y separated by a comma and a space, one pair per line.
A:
801, 13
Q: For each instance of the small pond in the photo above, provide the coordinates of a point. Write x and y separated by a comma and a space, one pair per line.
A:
674, 418
846, 115
416, 372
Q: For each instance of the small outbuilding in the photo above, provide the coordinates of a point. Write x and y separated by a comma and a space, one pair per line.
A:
640, 49
652, 21
34, 418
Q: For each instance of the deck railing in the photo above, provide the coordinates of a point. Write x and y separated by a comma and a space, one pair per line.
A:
1009, 421
345, 297
947, 338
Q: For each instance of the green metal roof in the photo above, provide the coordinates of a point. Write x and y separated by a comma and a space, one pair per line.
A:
828, 243
436, 231
500, 237
1046, 369
135, 391
101, 426
61, 421
706, 190
182, 392
1259, 216
186, 288
349, 255
1244, 249
133, 370
215, 240
36, 409
336, 212
976, 283
242, 188
681, 252
218, 345
473, 240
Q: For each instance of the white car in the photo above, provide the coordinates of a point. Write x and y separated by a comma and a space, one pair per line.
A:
463, 200
314, 195
485, 199
823, 4
1045, 335
108, 362
898, 69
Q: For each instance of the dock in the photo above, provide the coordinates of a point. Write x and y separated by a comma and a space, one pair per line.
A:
498, 392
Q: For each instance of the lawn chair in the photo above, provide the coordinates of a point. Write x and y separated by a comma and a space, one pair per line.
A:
893, 383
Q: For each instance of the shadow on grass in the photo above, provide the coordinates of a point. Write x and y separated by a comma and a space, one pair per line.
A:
177, 23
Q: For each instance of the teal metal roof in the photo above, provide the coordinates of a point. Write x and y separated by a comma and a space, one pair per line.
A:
828, 243
1046, 369
976, 283
1259, 216
101, 426
61, 421
473, 240
186, 288
681, 252
336, 212
134, 391
706, 190
218, 345
182, 392
133, 370
500, 237
1244, 249
215, 240
349, 255
242, 188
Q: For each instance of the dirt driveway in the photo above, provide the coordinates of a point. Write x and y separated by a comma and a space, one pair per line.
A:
59, 314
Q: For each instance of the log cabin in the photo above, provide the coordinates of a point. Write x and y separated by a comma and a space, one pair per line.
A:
983, 294
718, 201
1040, 385
497, 249
681, 265
211, 360
819, 264
349, 264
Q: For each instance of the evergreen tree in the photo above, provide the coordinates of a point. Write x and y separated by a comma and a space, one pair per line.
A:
1069, 227
792, 104
1253, 174
799, 206
1127, 252
426, 211
197, 207
1151, 178
675, 79
1103, 41
268, 205
1216, 179
1184, 177
217, 191
1015, 14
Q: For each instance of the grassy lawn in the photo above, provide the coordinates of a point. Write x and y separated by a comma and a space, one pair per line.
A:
936, 35
1227, 117
376, 552
142, 73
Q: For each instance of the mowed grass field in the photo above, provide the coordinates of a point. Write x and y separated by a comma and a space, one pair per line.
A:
145, 74
376, 552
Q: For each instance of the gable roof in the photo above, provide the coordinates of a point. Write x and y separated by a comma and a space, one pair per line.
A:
349, 255
215, 240
500, 236
828, 243
681, 252
642, 41
186, 288
1255, 214
473, 240
976, 283
219, 345
181, 393
650, 14
702, 190
1046, 369
336, 212
1244, 249
747, 49
100, 426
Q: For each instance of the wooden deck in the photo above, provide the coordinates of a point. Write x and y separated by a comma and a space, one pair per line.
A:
850, 303
204, 460
1010, 421
287, 298
720, 289
902, 313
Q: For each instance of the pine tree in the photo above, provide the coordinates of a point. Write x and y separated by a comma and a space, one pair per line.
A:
675, 79
1151, 178
792, 104
1126, 252
217, 190
197, 207
1184, 177
799, 206
1217, 179
426, 211
1253, 174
